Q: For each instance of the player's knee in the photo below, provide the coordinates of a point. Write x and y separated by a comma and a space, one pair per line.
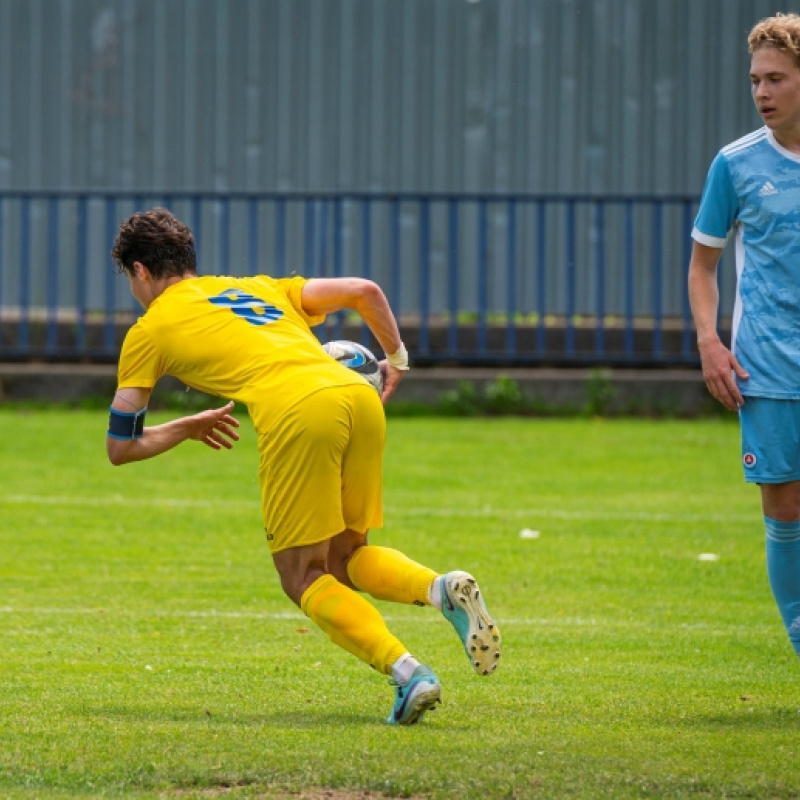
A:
294, 582
781, 501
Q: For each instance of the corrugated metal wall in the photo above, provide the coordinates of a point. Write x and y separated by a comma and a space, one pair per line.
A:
417, 95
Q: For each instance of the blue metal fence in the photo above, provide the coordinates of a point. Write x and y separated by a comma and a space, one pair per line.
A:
474, 279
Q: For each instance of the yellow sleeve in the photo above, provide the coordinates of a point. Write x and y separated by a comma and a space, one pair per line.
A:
293, 289
140, 365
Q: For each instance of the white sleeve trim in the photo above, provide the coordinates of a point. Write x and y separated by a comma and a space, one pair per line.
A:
708, 241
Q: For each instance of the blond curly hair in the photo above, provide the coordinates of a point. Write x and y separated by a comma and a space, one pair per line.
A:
781, 32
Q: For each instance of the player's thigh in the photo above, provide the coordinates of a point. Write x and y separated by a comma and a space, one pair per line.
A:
770, 437
362, 466
301, 468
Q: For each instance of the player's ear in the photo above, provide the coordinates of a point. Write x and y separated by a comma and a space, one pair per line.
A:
141, 271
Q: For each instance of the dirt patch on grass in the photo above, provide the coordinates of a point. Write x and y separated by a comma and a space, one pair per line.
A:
264, 793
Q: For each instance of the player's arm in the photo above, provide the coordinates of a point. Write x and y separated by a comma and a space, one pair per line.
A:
327, 295
718, 361
128, 440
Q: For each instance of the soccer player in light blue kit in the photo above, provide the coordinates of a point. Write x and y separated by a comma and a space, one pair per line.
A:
752, 194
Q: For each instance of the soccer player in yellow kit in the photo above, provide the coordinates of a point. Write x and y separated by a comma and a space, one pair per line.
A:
321, 432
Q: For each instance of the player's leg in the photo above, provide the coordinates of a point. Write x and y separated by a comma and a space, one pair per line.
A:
356, 626
382, 572
781, 505
770, 448
388, 574
301, 491
346, 617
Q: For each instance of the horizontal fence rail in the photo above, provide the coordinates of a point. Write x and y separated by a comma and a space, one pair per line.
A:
510, 280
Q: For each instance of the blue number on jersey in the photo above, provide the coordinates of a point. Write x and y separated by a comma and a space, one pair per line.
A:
251, 308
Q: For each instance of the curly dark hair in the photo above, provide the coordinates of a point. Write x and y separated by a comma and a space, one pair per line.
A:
157, 239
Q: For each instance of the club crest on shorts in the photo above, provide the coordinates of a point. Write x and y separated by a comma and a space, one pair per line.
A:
749, 460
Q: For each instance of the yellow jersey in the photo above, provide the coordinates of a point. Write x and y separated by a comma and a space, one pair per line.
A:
244, 339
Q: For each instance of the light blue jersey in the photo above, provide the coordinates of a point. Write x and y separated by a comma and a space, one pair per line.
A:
753, 190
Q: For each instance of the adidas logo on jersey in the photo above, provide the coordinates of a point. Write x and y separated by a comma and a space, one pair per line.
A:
767, 189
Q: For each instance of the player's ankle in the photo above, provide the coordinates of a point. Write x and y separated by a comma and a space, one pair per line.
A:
435, 593
403, 668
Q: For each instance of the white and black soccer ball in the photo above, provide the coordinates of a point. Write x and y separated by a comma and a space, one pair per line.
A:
358, 358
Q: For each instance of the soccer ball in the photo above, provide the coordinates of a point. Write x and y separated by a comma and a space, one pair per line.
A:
358, 358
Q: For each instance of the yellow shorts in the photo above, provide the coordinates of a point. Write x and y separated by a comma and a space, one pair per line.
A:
322, 467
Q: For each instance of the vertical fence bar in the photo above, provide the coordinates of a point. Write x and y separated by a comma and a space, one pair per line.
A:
511, 277
81, 270
308, 237
600, 289
629, 280
252, 237
541, 276
658, 292
394, 255
366, 256
23, 336
452, 276
688, 328
424, 274
2, 263
569, 329
338, 225
51, 340
197, 226
483, 277
322, 249
224, 234
280, 238
110, 298
138, 205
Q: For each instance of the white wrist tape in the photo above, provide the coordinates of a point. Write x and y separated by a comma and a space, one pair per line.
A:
398, 360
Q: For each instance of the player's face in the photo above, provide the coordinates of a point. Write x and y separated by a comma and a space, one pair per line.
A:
775, 81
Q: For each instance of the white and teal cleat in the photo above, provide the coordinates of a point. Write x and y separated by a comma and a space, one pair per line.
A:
463, 607
422, 693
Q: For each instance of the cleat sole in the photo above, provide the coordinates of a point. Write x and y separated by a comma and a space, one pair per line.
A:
482, 632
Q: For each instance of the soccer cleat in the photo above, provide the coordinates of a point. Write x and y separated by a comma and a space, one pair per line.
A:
463, 606
422, 692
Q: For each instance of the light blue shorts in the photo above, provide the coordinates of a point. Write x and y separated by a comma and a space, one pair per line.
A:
770, 440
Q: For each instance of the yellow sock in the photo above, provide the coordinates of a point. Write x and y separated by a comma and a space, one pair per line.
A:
388, 574
351, 622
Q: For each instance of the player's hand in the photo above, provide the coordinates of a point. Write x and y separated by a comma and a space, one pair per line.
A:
719, 366
391, 378
215, 427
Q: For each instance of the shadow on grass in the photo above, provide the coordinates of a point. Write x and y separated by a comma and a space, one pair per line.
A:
280, 718
747, 718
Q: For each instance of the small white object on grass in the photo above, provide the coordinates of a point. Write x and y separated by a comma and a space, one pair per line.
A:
708, 557
527, 533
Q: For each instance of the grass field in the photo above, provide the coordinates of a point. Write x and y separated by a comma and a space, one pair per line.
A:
147, 650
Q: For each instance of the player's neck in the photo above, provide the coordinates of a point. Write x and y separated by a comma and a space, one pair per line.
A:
788, 138
158, 287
